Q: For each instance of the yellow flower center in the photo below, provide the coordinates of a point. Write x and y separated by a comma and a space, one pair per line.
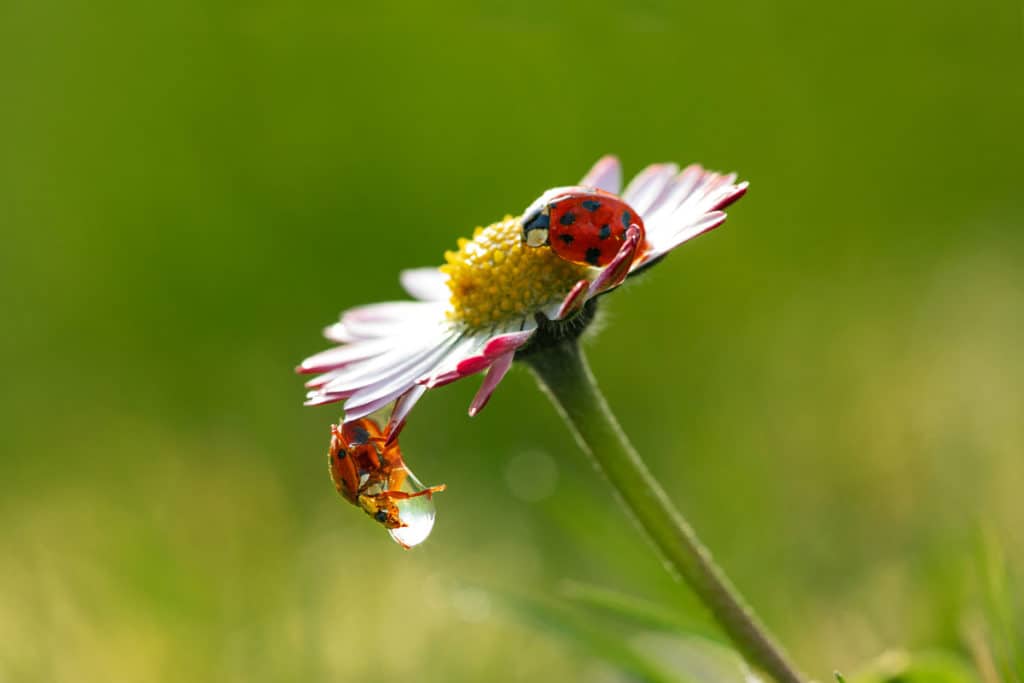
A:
494, 276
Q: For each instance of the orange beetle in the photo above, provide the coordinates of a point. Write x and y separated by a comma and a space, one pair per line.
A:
371, 474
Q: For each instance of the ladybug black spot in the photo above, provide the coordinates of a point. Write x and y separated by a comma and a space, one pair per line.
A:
593, 256
568, 218
567, 238
606, 232
591, 205
626, 218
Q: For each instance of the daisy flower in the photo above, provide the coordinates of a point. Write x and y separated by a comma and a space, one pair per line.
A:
525, 287
498, 294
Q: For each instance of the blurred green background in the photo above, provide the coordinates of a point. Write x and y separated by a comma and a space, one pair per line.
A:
829, 386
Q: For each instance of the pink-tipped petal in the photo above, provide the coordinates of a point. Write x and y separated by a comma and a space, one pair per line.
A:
317, 399
389, 386
708, 222
733, 195
470, 365
494, 376
365, 409
405, 354
321, 380
689, 206
574, 300
618, 269
340, 356
426, 284
403, 406
605, 175
498, 346
504, 343
446, 371
442, 378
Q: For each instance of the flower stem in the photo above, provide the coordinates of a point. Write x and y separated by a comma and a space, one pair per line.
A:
563, 373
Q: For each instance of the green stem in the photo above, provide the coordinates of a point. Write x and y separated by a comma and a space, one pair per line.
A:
563, 373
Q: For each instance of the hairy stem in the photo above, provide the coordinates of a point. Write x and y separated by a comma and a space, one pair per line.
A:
563, 373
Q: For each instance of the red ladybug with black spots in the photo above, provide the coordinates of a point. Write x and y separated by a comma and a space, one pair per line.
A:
581, 224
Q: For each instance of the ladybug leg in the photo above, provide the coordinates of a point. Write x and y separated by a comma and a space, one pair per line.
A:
402, 495
396, 477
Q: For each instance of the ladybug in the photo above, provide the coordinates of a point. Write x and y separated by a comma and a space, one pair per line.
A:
580, 224
370, 473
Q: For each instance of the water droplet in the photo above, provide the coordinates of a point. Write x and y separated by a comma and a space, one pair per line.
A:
416, 512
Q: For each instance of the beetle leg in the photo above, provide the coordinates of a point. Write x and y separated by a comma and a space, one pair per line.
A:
396, 477
337, 436
402, 495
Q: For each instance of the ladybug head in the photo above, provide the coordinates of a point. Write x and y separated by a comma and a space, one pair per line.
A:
382, 509
537, 218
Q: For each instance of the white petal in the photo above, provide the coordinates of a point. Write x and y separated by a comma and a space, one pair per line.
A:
389, 311
396, 319
402, 378
708, 221
339, 333
643, 191
406, 349
343, 355
356, 412
426, 284
681, 188
403, 406
606, 174
667, 241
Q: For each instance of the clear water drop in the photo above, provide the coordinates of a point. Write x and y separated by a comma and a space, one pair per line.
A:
416, 513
